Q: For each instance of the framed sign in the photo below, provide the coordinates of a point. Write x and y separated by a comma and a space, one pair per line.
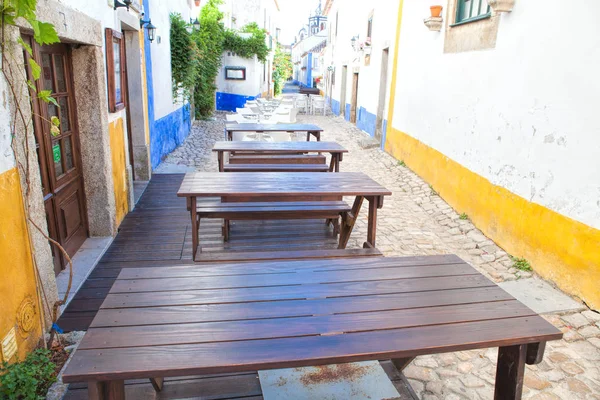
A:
235, 73
115, 57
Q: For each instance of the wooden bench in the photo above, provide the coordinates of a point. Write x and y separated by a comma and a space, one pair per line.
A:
288, 255
276, 168
277, 159
328, 210
228, 318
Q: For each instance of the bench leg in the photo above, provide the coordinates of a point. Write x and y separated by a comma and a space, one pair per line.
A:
157, 383
111, 390
401, 363
226, 228
194, 213
509, 372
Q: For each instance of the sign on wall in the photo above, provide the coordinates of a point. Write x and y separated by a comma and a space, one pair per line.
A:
235, 73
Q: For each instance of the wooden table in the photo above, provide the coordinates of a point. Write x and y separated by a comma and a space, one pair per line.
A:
333, 148
310, 129
228, 318
286, 186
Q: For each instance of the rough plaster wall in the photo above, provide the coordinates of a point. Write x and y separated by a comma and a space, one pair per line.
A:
7, 159
88, 77
36, 211
520, 115
249, 87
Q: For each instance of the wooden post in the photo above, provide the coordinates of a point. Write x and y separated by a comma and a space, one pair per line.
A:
372, 227
111, 390
509, 372
194, 213
220, 158
535, 353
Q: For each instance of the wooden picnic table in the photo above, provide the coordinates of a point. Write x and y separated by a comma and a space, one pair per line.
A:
332, 148
310, 129
286, 186
229, 318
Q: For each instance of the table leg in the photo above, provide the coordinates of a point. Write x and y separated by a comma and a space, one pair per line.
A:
308, 136
535, 353
157, 384
401, 363
229, 136
194, 213
510, 371
332, 163
372, 226
348, 221
220, 158
111, 390
338, 158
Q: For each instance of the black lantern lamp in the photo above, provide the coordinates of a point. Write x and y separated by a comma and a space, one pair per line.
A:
195, 23
123, 3
354, 42
150, 28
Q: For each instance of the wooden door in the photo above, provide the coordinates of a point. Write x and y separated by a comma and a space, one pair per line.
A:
59, 152
354, 100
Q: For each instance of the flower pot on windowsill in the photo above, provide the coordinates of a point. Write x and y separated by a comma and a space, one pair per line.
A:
436, 11
501, 5
197, 2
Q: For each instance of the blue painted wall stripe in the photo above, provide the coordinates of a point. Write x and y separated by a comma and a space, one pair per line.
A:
231, 101
366, 121
309, 71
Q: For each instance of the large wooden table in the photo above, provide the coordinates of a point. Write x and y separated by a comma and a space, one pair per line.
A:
228, 318
286, 186
310, 129
333, 148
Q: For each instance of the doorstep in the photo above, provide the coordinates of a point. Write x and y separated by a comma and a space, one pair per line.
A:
84, 261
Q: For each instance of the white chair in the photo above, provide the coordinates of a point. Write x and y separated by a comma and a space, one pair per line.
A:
302, 104
231, 117
319, 103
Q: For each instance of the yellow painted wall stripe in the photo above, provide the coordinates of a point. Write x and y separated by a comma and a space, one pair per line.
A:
119, 168
559, 248
18, 284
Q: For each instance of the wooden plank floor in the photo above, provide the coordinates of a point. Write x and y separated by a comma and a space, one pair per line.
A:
157, 234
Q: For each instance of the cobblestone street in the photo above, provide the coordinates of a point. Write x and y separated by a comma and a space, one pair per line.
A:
416, 221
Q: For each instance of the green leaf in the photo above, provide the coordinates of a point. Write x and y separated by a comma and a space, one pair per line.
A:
46, 34
25, 46
44, 95
31, 86
55, 121
36, 70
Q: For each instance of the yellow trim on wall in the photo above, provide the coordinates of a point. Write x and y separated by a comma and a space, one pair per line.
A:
18, 289
119, 168
559, 248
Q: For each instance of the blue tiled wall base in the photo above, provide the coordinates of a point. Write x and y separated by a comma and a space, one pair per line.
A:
335, 107
383, 134
231, 101
347, 112
169, 132
366, 121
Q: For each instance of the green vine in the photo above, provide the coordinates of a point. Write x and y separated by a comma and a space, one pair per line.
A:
283, 69
248, 47
185, 57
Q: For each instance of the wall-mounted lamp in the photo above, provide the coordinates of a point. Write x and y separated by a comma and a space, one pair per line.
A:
124, 3
150, 28
195, 23
354, 42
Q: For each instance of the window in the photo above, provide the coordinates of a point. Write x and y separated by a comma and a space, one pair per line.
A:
235, 73
115, 55
471, 10
369, 27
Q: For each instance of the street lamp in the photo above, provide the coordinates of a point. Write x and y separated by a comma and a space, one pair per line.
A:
195, 23
354, 42
124, 3
150, 28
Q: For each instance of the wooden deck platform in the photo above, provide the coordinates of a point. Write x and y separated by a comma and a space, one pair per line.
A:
157, 234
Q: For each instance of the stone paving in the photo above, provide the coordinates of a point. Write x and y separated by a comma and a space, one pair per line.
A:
416, 221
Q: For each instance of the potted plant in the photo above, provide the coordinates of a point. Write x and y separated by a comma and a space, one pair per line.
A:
436, 11
197, 2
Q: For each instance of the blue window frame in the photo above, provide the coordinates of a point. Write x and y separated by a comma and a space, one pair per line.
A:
472, 10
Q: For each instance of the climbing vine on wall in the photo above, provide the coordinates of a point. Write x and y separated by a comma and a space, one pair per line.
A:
283, 69
185, 58
251, 42
211, 39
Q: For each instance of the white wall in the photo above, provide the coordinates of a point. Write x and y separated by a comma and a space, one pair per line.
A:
524, 114
7, 159
352, 21
254, 76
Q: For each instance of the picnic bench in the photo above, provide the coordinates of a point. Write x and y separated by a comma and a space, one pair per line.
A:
276, 187
230, 318
310, 129
278, 156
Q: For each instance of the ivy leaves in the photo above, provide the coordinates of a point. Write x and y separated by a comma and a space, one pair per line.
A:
248, 47
43, 32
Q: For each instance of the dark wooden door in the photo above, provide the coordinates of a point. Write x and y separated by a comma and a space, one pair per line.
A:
354, 100
59, 152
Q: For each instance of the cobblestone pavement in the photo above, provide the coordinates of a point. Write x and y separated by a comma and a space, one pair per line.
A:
416, 221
